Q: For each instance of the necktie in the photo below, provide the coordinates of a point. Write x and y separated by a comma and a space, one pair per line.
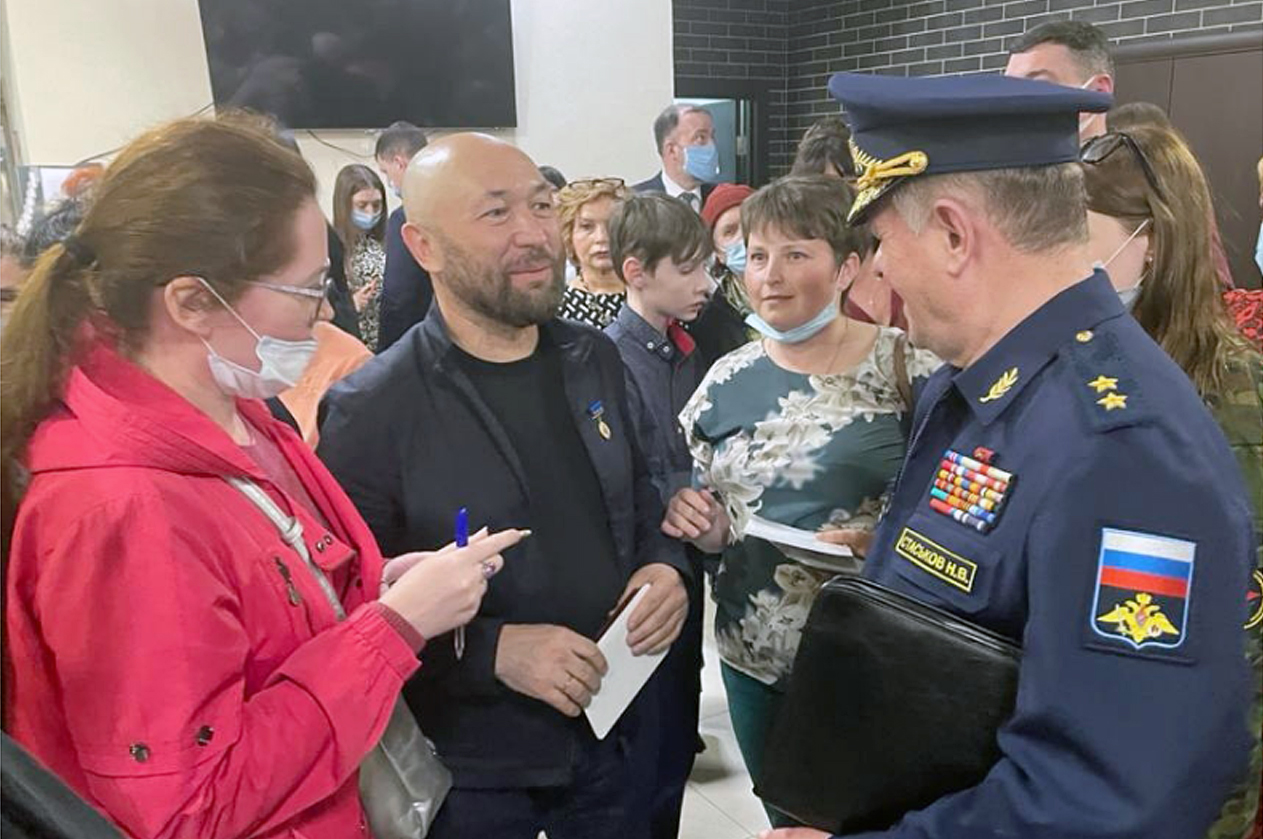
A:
690, 199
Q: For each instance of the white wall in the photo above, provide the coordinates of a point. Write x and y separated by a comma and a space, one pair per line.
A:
87, 75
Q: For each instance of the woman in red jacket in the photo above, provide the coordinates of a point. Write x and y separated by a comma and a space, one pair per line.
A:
170, 656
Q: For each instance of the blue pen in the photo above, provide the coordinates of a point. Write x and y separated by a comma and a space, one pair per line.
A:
462, 540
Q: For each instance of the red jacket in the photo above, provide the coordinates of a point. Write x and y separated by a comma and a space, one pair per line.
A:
173, 660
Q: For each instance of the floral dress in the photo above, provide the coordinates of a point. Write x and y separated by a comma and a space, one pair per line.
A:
802, 450
368, 264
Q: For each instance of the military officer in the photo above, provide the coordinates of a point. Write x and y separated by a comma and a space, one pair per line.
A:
1064, 485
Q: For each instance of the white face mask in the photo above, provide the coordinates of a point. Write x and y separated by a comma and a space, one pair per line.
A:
281, 363
1127, 295
799, 333
1084, 119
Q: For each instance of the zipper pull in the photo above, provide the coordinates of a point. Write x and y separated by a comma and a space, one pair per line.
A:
294, 597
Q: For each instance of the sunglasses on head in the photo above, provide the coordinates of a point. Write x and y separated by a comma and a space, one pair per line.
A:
1098, 149
610, 183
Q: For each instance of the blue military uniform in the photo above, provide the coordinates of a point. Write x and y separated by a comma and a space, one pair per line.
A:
1069, 490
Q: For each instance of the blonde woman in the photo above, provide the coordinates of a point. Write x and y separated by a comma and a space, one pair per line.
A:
596, 294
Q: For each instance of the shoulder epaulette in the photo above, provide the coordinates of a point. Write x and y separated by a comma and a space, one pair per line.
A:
1110, 395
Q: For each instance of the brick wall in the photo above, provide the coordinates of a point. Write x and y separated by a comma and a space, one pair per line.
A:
739, 39
930, 37
804, 41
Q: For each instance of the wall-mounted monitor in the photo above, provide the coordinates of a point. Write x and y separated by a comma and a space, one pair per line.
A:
364, 63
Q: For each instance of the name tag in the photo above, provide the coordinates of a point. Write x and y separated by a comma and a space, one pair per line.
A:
937, 560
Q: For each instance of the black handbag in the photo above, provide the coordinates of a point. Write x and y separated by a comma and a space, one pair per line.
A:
892, 704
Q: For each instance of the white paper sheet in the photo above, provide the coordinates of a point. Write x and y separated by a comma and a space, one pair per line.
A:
627, 673
804, 547
783, 534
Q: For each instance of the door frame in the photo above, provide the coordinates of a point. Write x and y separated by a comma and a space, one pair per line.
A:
758, 94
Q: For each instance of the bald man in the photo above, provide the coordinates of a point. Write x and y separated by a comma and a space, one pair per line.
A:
495, 405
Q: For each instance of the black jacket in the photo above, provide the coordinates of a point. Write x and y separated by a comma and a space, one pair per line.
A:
406, 288
411, 441
38, 805
340, 298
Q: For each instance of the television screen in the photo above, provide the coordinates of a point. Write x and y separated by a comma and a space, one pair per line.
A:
364, 63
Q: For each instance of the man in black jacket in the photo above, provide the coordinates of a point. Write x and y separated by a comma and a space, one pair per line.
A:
494, 405
406, 288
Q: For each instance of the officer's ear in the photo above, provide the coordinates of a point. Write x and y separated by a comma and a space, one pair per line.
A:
957, 226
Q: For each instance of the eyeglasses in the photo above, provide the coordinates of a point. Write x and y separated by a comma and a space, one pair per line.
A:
610, 183
321, 294
1098, 149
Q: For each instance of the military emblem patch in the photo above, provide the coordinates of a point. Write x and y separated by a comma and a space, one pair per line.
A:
1254, 600
1143, 589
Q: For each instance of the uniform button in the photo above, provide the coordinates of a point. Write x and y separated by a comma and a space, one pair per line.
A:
649, 345
139, 752
320, 546
328, 539
1084, 337
204, 735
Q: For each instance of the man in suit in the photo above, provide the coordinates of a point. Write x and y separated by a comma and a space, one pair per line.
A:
685, 136
406, 288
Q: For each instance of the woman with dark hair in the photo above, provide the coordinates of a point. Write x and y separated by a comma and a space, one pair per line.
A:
359, 217
804, 428
1149, 211
179, 659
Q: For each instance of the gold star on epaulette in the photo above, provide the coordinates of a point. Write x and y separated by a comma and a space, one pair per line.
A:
1103, 383
1112, 401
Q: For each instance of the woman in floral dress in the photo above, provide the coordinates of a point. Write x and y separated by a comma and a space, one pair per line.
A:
804, 427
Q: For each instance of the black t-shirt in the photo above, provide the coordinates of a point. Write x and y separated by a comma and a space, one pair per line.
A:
570, 526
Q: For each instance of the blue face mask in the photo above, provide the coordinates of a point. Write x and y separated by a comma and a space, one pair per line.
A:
365, 221
702, 162
800, 333
1258, 250
735, 257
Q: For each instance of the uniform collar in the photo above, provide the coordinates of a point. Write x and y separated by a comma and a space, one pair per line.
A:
993, 382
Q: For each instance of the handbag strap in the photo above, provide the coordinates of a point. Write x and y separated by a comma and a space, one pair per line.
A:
902, 383
291, 531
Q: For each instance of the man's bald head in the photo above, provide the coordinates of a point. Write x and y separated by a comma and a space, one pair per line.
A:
460, 166
481, 220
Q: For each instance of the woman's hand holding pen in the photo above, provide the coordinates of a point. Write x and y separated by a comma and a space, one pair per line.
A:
696, 516
437, 592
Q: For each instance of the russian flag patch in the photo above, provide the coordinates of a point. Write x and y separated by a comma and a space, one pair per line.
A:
1144, 584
